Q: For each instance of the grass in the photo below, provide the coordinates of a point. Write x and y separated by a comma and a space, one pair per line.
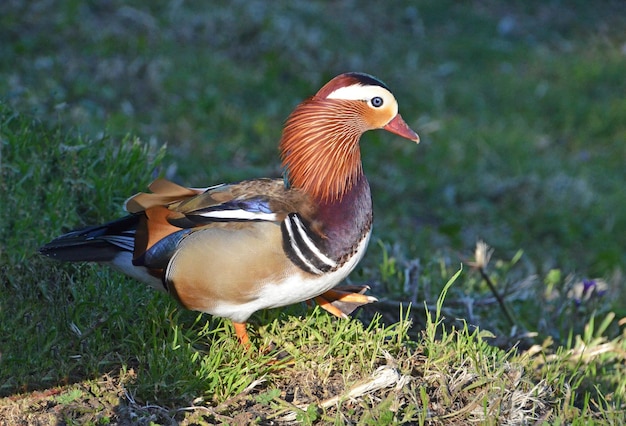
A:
522, 116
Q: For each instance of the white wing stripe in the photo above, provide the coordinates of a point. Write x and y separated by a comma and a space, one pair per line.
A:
239, 215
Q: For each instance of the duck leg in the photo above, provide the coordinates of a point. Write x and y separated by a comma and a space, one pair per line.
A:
242, 333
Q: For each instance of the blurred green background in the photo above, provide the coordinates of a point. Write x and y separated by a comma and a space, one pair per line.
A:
521, 105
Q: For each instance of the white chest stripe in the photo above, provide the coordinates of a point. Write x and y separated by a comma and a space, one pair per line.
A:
311, 245
312, 268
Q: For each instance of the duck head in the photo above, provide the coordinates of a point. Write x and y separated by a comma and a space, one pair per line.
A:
320, 142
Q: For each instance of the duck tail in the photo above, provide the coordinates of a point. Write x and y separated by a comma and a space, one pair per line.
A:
100, 243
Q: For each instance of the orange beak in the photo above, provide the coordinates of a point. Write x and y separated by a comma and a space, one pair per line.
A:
400, 128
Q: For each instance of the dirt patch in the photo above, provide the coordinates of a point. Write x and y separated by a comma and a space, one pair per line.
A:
105, 401
94, 402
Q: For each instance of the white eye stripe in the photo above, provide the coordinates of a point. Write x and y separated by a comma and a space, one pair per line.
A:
357, 92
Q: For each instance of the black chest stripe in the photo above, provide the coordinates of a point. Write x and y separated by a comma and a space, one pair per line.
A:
302, 249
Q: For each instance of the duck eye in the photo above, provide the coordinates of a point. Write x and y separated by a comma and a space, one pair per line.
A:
377, 101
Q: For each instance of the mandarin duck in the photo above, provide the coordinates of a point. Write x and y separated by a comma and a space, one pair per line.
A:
233, 249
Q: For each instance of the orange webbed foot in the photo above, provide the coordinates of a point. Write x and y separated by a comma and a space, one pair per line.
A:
342, 302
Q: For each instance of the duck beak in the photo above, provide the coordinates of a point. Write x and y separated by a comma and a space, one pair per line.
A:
400, 128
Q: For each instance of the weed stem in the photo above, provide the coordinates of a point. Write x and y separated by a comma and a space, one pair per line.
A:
499, 298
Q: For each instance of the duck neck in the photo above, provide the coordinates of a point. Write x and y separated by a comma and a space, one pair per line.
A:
348, 220
320, 149
321, 157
